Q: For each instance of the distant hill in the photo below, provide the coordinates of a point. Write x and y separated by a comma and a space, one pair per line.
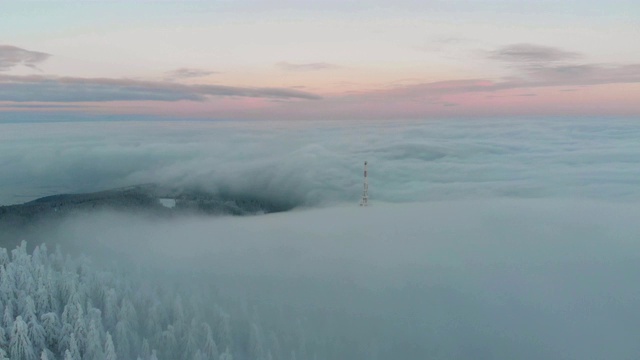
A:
151, 199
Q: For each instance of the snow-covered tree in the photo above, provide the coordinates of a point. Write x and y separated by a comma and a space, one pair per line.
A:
7, 319
73, 348
51, 328
226, 355
109, 349
3, 338
210, 349
36, 334
94, 343
20, 346
123, 340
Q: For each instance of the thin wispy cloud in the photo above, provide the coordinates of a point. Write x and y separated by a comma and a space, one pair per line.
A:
537, 66
32, 106
11, 56
72, 89
286, 66
531, 53
188, 73
37, 88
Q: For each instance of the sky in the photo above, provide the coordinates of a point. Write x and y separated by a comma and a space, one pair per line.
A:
267, 59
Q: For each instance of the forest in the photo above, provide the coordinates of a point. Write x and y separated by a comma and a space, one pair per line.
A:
60, 307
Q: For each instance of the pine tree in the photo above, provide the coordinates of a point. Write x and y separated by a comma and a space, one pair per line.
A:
190, 343
36, 334
20, 346
145, 352
4, 257
51, 328
123, 339
6, 286
3, 338
110, 309
109, 350
42, 298
7, 319
73, 348
226, 355
168, 343
210, 349
64, 339
93, 343
198, 355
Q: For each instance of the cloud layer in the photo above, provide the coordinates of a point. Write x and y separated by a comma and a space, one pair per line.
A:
188, 73
11, 56
320, 162
70, 89
531, 53
286, 66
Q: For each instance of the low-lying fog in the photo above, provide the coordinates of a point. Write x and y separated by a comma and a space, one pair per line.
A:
525, 279
486, 239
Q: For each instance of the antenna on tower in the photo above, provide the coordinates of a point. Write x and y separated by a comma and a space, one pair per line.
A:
365, 192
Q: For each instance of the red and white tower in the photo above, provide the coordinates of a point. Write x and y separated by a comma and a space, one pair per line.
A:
365, 192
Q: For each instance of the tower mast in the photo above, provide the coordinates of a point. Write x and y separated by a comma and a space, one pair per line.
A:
365, 192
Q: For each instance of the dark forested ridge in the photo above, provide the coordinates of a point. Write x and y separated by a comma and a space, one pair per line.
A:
17, 221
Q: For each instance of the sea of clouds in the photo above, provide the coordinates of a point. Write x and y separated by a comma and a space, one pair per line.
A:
487, 239
321, 162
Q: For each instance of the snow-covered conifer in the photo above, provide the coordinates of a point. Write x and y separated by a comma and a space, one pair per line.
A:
226, 355
4, 257
93, 343
123, 340
20, 346
190, 342
168, 343
73, 348
64, 339
198, 355
210, 349
3, 338
109, 349
36, 334
6, 282
110, 309
7, 318
145, 352
51, 328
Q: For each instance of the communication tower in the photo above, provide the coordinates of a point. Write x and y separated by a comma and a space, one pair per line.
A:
365, 192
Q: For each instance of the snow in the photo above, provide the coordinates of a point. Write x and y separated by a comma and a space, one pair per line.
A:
168, 203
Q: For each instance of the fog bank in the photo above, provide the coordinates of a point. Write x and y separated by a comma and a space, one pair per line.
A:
525, 279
